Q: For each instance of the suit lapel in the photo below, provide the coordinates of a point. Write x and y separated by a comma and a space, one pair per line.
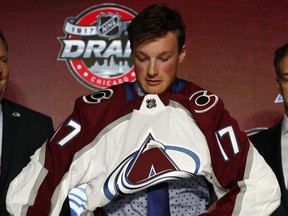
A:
275, 159
10, 127
278, 165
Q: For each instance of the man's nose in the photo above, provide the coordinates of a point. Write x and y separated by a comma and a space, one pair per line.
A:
152, 69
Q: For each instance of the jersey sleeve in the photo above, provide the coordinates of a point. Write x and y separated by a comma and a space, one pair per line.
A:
59, 165
243, 182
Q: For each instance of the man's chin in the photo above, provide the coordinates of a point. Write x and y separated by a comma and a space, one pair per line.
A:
154, 91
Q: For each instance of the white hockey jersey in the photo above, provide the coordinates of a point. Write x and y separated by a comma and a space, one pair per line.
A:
120, 141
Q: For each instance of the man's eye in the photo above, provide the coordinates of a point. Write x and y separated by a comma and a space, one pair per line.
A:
164, 58
141, 58
4, 61
284, 78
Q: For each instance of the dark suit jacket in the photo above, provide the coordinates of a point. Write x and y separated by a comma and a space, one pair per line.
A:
268, 143
24, 131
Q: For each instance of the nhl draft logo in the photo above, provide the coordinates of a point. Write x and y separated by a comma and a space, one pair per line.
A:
96, 46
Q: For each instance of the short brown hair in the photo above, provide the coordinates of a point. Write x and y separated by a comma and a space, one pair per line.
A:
279, 54
154, 22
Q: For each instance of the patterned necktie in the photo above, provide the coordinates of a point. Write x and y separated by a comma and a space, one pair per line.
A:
158, 200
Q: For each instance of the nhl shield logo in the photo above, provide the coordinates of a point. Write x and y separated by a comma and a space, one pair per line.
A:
151, 103
96, 46
109, 25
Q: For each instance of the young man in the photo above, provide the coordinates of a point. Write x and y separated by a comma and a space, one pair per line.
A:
158, 136
22, 132
272, 143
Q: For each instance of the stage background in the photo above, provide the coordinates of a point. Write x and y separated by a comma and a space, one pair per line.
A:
230, 52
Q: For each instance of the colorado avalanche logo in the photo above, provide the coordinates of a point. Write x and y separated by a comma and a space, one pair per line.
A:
97, 97
96, 46
204, 101
153, 163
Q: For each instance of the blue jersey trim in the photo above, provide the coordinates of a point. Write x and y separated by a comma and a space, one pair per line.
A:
129, 91
178, 85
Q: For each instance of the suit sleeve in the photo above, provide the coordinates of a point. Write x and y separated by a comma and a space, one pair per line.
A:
243, 182
50, 127
43, 185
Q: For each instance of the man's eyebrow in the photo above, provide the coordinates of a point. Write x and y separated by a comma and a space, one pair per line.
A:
139, 52
160, 54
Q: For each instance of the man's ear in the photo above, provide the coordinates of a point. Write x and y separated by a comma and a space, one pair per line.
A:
182, 54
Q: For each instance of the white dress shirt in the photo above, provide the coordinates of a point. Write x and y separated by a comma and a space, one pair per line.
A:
284, 148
